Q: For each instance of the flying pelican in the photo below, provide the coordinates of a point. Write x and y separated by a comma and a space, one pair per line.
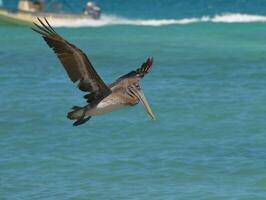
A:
101, 98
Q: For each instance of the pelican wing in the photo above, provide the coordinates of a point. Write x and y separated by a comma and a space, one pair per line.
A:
75, 62
122, 82
140, 72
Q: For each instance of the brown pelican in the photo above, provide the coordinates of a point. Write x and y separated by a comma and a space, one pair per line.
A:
101, 98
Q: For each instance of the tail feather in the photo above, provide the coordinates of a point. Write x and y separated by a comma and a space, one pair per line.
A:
71, 115
76, 113
81, 121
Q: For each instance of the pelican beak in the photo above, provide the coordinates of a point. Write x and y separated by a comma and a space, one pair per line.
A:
143, 100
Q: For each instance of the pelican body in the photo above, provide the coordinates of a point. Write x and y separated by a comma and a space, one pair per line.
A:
101, 98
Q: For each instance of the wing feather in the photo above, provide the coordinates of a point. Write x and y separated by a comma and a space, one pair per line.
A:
135, 76
75, 62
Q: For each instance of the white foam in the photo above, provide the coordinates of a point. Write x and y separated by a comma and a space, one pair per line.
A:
107, 20
238, 18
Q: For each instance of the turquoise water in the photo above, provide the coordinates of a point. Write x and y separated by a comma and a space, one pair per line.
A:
207, 89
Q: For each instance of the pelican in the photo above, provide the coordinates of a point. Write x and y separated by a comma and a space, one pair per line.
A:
101, 98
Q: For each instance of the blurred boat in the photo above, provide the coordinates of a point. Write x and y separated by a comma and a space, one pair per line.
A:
28, 11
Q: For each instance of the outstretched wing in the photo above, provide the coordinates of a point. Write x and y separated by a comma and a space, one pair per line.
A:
133, 77
75, 62
140, 72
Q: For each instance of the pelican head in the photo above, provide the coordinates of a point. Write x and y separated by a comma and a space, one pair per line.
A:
136, 91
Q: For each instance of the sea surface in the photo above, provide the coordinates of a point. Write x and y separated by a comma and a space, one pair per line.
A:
207, 88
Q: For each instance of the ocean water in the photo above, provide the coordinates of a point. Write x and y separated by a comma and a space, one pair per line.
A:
207, 89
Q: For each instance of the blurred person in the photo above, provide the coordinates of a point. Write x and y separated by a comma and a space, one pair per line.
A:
39, 4
92, 9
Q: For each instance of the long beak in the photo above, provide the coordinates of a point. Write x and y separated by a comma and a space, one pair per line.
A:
143, 100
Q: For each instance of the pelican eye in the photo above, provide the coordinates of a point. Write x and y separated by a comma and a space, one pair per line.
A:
137, 86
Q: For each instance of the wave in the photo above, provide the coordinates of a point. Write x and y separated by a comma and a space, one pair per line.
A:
108, 20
